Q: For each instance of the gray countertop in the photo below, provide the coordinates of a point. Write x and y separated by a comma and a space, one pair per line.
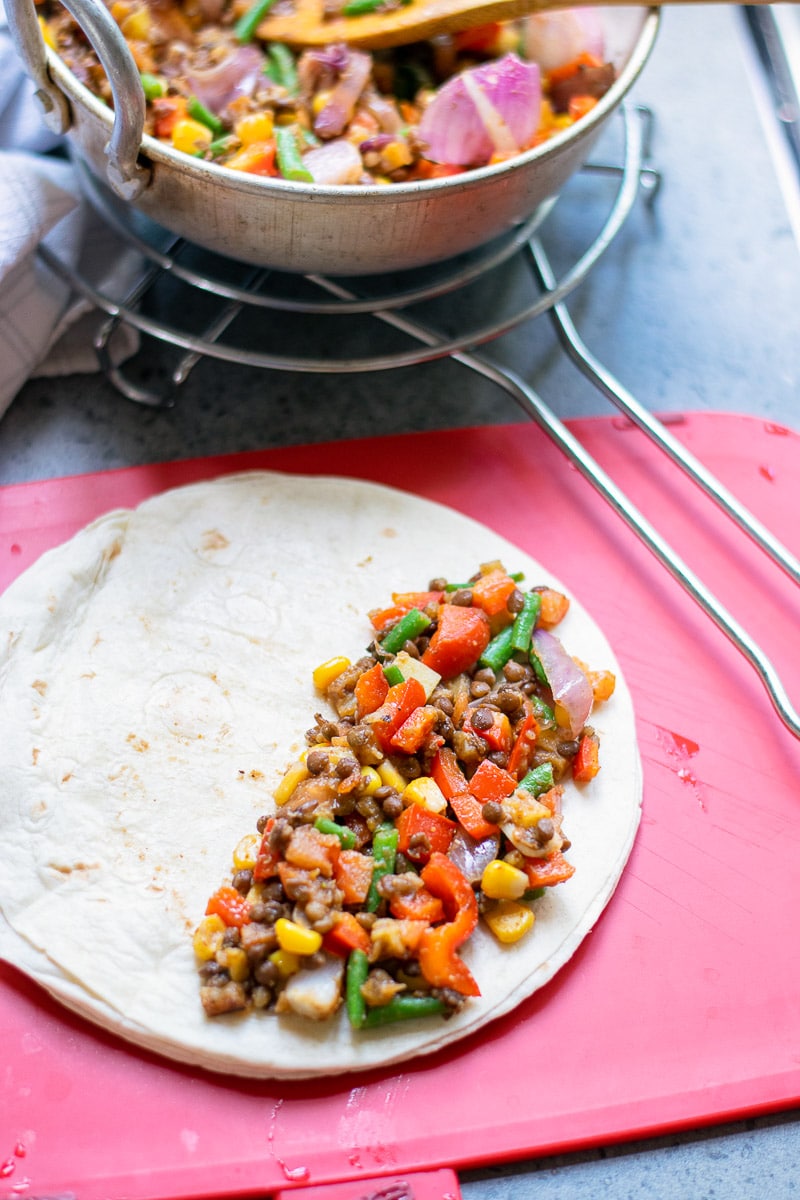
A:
694, 307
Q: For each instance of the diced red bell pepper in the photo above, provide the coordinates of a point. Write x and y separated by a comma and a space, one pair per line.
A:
381, 617
167, 111
371, 690
461, 636
400, 702
438, 960
312, 850
409, 600
447, 774
586, 762
424, 168
482, 38
439, 830
519, 760
555, 606
547, 872
420, 906
491, 591
230, 905
469, 811
345, 936
415, 729
267, 859
573, 67
499, 735
491, 782
353, 875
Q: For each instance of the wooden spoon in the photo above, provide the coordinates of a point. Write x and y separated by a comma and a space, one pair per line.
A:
305, 24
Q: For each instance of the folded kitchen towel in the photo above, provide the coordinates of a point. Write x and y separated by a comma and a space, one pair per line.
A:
41, 331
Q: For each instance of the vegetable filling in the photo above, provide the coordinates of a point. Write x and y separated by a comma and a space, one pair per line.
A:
428, 803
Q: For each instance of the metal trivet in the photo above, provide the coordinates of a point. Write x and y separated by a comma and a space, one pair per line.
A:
237, 292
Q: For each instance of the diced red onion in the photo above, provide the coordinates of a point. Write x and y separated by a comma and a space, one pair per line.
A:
555, 38
571, 689
234, 76
490, 109
378, 141
335, 162
334, 117
472, 857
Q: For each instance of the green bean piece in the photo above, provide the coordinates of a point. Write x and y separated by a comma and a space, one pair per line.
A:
410, 625
290, 162
221, 146
357, 8
543, 712
282, 67
403, 1008
538, 780
384, 852
536, 663
152, 86
533, 893
393, 675
245, 28
198, 111
457, 587
356, 974
517, 576
525, 622
345, 835
499, 650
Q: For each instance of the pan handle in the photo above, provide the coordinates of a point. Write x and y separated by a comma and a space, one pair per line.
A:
125, 175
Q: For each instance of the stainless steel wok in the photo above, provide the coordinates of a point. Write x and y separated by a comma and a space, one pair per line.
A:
297, 226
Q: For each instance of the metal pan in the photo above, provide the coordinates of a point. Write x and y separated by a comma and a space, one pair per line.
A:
303, 227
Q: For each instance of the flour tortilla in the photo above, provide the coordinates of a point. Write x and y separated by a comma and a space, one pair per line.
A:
155, 681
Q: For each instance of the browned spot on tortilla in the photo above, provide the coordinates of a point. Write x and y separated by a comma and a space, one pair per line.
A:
81, 867
137, 742
214, 540
389, 532
40, 686
52, 603
88, 675
35, 755
66, 778
112, 551
98, 639
256, 774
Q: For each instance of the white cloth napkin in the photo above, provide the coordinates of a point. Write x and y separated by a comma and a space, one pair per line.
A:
41, 331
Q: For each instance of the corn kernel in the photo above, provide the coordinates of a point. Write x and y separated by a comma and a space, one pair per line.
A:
246, 852
326, 672
254, 127
391, 776
425, 792
286, 962
296, 774
319, 102
297, 939
370, 781
190, 136
502, 881
47, 36
396, 154
208, 937
509, 921
137, 25
234, 959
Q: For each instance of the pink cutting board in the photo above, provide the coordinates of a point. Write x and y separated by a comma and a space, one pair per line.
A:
683, 1005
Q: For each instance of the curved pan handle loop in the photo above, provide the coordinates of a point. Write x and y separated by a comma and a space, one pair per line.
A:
125, 175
